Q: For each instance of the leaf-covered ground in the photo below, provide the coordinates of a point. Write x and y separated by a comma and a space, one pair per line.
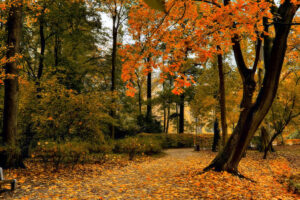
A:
174, 176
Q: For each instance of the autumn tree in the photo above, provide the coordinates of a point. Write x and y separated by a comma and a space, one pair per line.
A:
261, 18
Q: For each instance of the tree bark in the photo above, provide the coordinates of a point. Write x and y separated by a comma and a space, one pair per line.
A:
149, 96
43, 45
10, 113
266, 150
56, 50
252, 114
216, 135
140, 96
113, 71
264, 137
168, 117
181, 114
177, 118
222, 99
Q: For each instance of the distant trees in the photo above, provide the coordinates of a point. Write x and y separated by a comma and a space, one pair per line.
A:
285, 109
117, 10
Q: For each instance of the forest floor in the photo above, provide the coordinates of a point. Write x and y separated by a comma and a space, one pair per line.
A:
173, 176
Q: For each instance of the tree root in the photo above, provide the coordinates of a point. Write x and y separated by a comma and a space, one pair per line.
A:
235, 173
241, 176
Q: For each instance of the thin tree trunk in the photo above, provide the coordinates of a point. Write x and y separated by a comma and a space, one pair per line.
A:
181, 114
177, 118
266, 150
56, 50
43, 45
140, 98
149, 96
10, 113
164, 110
113, 72
222, 99
252, 114
165, 120
264, 136
216, 135
168, 119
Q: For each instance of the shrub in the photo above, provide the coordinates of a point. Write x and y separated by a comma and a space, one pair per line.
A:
294, 183
69, 153
61, 114
255, 143
10, 156
151, 147
295, 135
180, 140
150, 125
136, 145
60, 153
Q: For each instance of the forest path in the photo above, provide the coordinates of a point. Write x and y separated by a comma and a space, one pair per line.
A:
173, 176
155, 179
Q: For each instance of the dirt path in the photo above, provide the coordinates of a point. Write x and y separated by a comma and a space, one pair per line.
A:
170, 177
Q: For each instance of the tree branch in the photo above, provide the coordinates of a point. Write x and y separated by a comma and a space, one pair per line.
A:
257, 54
238, 54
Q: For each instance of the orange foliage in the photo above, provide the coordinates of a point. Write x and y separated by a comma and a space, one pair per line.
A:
191, 26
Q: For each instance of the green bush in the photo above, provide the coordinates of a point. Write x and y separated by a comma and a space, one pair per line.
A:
60, 153
10, 156
69, 153
151, 147
179, 140
255, 143
294, 183
295, 135
62, 114
137, 145
150, 125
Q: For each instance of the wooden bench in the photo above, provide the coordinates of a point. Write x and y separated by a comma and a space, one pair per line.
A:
12, 182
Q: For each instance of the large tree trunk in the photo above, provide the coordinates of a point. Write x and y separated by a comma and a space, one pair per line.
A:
12, 157
252, 115
181, 114
222, 99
